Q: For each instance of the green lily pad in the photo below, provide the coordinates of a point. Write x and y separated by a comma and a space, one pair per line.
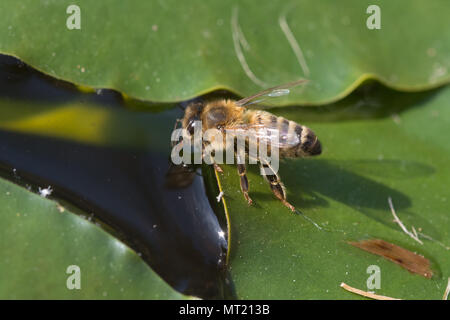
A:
171, 50
39, 242
343, 195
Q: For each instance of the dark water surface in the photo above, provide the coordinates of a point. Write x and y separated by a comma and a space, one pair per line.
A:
118, 183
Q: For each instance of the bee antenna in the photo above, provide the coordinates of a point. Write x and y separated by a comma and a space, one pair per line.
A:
181, 107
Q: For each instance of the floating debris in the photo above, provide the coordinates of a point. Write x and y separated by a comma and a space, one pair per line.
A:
365, 293
413, 234
447, 291
45, 192
409, 260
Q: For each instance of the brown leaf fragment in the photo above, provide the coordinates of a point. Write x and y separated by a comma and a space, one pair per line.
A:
409, 260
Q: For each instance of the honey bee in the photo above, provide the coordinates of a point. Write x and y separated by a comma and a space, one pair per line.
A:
234, 117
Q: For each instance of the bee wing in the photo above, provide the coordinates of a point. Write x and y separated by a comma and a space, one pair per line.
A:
274, 92
269, 134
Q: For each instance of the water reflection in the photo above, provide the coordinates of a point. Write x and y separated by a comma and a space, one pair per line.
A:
111, 163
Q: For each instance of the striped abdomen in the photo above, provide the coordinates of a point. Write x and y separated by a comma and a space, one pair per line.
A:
295, 140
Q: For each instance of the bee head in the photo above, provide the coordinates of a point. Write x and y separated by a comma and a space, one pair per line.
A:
191, 115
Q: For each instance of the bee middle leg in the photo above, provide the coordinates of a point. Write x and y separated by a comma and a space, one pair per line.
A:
276, 185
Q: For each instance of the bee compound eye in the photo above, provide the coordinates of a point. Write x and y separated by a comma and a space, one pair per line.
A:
191, 127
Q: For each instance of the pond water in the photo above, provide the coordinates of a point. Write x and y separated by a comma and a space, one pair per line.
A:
109, 164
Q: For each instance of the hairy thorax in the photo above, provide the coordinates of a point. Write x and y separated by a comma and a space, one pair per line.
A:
221, 113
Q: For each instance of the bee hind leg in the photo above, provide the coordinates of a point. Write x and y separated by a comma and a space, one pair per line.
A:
242, 171
276, 185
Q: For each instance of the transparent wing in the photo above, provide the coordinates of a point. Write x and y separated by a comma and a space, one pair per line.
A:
274, 92
269, 134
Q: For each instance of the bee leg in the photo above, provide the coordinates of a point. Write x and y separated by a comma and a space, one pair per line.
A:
242, 171
173, 143
276, 185
244, 182
176, 123
217, 167
206, 148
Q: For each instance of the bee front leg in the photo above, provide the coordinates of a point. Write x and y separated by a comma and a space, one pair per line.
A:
217, 167
207, 149
177, 121
276, 185
173, 143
